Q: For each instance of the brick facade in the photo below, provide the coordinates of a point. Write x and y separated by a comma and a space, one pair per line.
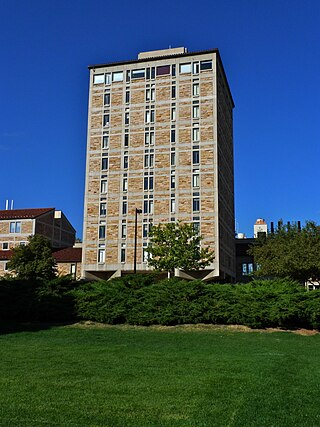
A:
175, 109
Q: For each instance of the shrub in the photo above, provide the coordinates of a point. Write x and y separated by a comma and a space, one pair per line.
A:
143, 300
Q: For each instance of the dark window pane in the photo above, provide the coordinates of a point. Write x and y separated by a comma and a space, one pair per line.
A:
163, 69
205, 65
195, 157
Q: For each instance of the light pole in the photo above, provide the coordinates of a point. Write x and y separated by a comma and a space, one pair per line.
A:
138, 211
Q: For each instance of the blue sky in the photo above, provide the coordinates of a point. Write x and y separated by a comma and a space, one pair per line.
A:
270, 50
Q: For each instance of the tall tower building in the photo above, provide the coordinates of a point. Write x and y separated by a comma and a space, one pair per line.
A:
160, 141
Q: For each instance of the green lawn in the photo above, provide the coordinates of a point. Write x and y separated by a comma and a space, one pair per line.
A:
118, 376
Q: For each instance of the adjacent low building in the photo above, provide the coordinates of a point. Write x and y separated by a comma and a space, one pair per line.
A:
17, 225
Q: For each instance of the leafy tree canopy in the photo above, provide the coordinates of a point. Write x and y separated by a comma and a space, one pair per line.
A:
177, 245
34, 260
289, 252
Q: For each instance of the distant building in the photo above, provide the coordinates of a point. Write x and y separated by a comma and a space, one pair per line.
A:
244, 262
245, 265
17, 225
68, 261
160, 141
260, 228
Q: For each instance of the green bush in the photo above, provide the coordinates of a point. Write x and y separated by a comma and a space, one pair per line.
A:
144, 300
28, 300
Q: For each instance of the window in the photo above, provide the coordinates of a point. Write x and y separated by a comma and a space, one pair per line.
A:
106, 120
126, 118
108, 79
124, 207
126, 139
173, 91
195, 89
107, 98
105, 141
173, 70
125, 184
153, 72
104, 186
148, 160
163, 69
172, 180
149, 138
145, 229
22, 243
102, 231
145, 253
123, 230
195, 157
196, 226
101, 254
205, 65
123, 253
149, 117
244, 269
5, 246
172, 158
150, 94
127, 97
98, 79
173, 113
125, 160
195, 178
104, 163
148, 182
172, 205
117, 77
103, 209
138, 74
185, 68
6, 266
196, 204
195, 134
195, 111
15, 227
195, 68
148, 206
173, 135
128, 76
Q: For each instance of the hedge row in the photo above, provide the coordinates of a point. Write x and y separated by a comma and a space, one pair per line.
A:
142, 300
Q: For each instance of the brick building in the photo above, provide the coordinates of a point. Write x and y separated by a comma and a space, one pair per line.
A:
160, 139
18, 224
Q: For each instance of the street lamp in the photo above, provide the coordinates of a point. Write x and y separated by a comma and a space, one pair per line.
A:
138, 211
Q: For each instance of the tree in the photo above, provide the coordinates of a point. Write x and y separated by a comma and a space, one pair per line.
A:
34, 260
289, 252
177, 245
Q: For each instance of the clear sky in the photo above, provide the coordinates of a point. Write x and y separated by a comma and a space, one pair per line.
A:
271, 54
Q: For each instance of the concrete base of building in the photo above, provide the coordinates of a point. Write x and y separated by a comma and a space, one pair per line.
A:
205, 275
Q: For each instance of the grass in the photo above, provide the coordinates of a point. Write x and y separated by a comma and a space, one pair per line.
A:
126, 376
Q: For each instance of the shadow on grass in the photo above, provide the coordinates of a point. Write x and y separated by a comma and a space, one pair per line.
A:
14, 327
